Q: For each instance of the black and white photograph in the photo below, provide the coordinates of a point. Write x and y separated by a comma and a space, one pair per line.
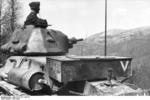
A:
74, 48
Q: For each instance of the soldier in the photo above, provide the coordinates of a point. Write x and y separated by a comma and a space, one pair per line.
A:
32, 18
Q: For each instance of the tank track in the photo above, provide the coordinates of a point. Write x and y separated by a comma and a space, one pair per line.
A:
7, 89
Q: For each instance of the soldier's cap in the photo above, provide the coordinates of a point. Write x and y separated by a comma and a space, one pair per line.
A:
35, 5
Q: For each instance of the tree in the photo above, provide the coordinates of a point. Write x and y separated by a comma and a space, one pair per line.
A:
0, 25
14, 8
0, 16
1, 8
12, 18
9, 14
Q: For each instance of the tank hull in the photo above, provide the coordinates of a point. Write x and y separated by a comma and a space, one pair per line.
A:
78, 68
27, 71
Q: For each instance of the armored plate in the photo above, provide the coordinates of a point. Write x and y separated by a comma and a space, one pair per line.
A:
37, 41
79, 68
117, 89
24, 71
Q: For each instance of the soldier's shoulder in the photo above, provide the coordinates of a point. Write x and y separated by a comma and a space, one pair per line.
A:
32, 14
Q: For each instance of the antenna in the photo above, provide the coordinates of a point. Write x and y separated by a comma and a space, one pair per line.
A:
105, 52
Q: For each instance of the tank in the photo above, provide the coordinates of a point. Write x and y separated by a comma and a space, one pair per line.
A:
39, 59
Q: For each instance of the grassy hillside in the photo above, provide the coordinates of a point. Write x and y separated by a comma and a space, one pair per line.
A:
133, 43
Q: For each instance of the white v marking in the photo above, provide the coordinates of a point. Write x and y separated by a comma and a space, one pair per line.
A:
124, 67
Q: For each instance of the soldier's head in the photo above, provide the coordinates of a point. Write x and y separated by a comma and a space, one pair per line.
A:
35, 6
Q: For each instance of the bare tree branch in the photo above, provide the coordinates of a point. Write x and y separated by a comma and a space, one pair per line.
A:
0, 16
13, 9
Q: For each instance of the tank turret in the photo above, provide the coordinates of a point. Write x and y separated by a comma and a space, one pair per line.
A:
38, 41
